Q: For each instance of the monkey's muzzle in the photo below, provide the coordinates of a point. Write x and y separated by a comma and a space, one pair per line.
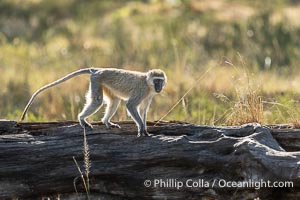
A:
158, 89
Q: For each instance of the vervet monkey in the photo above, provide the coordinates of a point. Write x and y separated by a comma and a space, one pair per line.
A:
112, 85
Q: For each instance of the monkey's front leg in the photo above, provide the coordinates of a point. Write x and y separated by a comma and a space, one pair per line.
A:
144, 107
112, 125
132, 109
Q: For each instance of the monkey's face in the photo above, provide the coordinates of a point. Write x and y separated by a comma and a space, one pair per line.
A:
158, 84
156, 80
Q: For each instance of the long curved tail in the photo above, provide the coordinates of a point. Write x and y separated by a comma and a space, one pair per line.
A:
65, 78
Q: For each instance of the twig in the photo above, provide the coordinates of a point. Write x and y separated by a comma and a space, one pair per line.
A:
186, 93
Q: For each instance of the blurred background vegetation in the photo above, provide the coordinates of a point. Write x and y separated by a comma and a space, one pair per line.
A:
246, 53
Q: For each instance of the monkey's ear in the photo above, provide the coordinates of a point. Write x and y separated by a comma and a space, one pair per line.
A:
150, 78
150, 81
166, 79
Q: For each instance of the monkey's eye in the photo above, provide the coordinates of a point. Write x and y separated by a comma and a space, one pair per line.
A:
156, 81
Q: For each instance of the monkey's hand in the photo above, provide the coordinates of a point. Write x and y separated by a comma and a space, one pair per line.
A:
110, 125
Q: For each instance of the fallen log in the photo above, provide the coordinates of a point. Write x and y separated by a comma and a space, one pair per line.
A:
179, 161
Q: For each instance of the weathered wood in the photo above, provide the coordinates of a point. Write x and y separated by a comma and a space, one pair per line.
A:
8, 126
289, 139
38, 160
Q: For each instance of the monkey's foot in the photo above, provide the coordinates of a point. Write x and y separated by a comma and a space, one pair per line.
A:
148, 134
110, 125
86, 126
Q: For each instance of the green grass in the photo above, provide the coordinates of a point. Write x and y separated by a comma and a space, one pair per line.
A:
44, 40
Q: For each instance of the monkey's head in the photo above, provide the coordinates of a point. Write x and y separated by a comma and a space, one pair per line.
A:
156, 79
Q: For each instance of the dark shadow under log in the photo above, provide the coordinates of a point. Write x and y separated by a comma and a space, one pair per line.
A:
36, 160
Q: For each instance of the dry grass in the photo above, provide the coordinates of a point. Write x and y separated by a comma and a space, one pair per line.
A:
246, 109
140, 36
87, 164
247, 103
87, 161
295, 123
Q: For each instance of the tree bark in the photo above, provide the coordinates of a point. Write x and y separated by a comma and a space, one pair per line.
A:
179, 161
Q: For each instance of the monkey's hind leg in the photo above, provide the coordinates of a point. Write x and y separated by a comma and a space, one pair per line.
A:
111, 109
94, 100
